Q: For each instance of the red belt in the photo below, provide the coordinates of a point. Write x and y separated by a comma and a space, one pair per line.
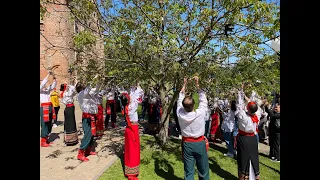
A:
46, 104
245, 133
111, 101
87, 115
69, 105
192, 139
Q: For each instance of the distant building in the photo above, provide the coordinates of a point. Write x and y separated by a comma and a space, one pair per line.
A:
56, 40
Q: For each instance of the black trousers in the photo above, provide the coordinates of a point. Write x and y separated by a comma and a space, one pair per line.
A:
113, 115
274, 141
56, 109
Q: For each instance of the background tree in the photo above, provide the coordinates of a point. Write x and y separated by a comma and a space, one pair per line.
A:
161, 41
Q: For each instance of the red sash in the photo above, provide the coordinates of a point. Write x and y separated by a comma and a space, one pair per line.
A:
46, 112
198, 139
245, 133
93, 122
108, 108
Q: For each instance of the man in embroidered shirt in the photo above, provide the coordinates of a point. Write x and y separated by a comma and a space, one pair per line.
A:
192, 124
47, 113
89, 109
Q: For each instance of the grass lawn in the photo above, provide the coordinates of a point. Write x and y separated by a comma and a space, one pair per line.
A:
166, 163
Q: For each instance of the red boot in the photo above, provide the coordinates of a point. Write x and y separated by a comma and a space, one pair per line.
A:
81, 156
44, 142
132, 177
89, 152
113, 125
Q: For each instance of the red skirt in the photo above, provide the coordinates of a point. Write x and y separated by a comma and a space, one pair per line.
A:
99, 122
131, 150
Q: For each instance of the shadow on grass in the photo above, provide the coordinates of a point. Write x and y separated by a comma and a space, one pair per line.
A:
264, 155
276, 170
160, 165
215, 168
218, 148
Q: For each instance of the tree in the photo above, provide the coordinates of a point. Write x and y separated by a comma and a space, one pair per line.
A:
161, 41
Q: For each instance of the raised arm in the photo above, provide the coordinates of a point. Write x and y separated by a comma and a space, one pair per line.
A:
95, 90
182, 94
135, 97
241, 96
53, 85
71, 91
270, 113
44, 81
203, 102
75, 81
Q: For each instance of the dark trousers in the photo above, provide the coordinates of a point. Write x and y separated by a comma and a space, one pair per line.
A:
144, 110
87, 139
228, 138
195, 151
177, 122
113, 115
206, 130
274, 141
46, 127
56, 109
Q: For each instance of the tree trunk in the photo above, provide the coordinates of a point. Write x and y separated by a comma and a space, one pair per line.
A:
166, 110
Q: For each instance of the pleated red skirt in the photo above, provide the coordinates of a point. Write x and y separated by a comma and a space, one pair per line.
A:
131, 150
99, 122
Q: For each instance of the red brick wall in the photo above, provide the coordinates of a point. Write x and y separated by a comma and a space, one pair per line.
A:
56, 41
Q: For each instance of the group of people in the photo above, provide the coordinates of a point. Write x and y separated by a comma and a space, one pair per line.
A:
238, 124
90, 99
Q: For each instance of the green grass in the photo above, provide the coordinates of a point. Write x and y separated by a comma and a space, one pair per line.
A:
166, 163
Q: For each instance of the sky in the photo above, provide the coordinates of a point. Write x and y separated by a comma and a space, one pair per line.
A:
231, 59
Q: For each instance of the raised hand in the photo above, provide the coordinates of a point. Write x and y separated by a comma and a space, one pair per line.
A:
185, 80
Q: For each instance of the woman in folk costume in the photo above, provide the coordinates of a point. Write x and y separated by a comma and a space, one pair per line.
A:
47, 113
70, 127
132, 139
214, 123
89, 109
247, 144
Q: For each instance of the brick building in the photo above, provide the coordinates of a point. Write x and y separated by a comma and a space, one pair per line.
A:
56, 41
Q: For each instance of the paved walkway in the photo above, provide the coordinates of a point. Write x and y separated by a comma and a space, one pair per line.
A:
59, 162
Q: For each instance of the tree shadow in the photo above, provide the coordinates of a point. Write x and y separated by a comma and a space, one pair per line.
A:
174, 147
160, 164
276, 170
115, 146
213, 165
53, 137
218, 148
59, 123
264, 155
